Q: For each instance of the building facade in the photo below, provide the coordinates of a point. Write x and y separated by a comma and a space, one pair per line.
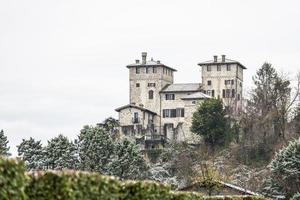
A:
160, 111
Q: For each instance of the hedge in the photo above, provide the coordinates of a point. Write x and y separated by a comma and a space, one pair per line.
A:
15, 184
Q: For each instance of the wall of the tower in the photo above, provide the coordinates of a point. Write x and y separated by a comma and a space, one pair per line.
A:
142, 83
224, 81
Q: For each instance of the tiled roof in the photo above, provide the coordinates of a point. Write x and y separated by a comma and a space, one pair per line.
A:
196, 95
219, 61
134, 106
182, 87
150, 63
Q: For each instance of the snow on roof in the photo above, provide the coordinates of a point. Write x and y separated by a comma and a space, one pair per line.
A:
182, 87
134, 106
150, 63
196, 95
219, 61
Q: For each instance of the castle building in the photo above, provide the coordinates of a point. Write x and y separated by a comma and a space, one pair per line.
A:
160, 110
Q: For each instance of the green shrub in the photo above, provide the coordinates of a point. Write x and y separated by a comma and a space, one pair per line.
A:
74, 185
145, 190
12, 180
69, 185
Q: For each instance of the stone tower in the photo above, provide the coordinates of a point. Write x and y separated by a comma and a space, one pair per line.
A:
147, 78
223, 78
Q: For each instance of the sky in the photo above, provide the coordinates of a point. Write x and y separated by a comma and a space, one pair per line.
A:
63, 62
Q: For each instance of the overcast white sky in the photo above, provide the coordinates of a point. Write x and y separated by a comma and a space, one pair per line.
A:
62, 62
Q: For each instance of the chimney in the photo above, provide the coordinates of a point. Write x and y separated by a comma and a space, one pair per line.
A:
144, 57
223, 58
215, 58
137, 61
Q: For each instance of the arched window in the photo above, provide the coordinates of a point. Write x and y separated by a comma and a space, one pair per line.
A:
150, 94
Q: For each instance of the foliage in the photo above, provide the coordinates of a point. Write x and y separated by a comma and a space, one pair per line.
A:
208, 178
76, 185
210, 122
296, 196
110, 125
31, 152
297, 119
60, 153
95, 147
127, 161
12, 179
4, 149
285, 171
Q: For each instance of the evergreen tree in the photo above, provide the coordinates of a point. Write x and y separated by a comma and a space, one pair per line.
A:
209, 122
128, 161
31, 152
4, 148
95, 147
60, 153
285, 171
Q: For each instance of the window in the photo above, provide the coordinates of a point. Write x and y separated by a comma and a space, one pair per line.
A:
227, 93
180, 112
229, 82
137, 70
208, 92
228, 67
241, 84
218, 67
172, 113
211, 93
223, 93
147, 70
135, 117
208, 68
154, 70
166, 113
137, 85
170, 96
151, 84
193, 102
239, 97
150, 94
208, 82
232, 93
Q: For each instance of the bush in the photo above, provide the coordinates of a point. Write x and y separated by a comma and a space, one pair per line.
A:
12, 179
285, 171
73, 185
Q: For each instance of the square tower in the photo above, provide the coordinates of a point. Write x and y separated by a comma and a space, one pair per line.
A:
223, 78
147, 78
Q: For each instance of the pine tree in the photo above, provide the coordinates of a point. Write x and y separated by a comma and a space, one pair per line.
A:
285, 171
128, 161
209, 122
60, 153
31, 152
95, 147
4, 148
